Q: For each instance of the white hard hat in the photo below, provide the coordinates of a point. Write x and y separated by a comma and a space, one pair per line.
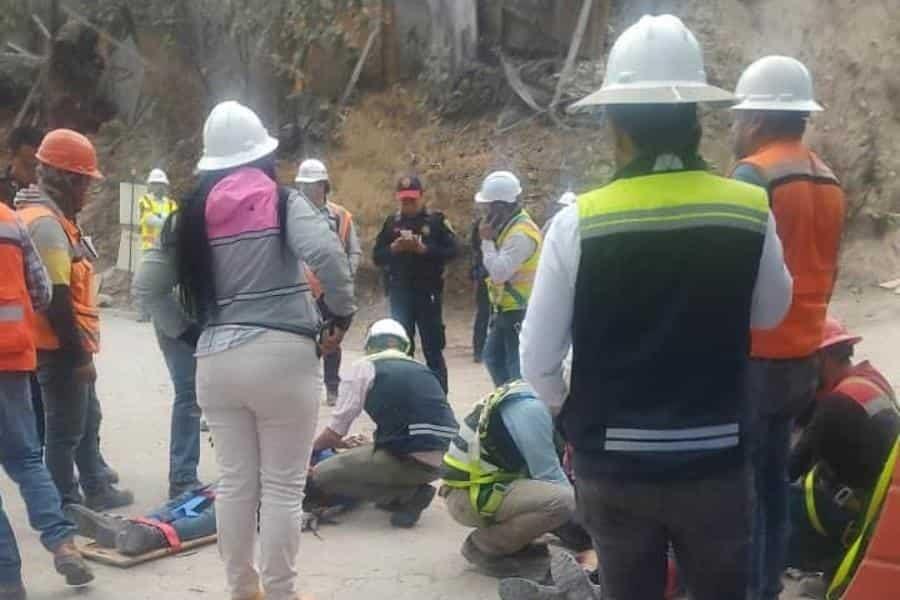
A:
387, 327
656, 61
311, 170
233, 136
499, 186
567, 199
776, 83
157, 176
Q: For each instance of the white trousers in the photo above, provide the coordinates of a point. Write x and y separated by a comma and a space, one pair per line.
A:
261, 400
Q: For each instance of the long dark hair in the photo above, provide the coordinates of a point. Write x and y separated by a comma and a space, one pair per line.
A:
196, 280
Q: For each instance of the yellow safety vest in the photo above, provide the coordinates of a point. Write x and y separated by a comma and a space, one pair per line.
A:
514, 294
153, 213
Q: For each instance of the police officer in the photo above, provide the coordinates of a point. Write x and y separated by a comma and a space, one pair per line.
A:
413, 246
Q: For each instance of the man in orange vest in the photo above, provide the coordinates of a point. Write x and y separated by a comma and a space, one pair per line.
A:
24, 286
67, 334
313, 182
808, 204
840, 455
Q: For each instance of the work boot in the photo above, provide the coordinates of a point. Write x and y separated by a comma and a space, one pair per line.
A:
109, 499
408, 514
531, 562
331, 397
68, 562
101, 528
138, 538
15, 591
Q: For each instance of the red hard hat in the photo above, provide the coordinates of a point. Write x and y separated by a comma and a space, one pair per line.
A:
68, 150
835, 333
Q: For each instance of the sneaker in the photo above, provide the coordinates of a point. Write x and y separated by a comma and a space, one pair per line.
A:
68, 562
532, 560
101, 528
14, 591
109, 499
331, 398
408, 515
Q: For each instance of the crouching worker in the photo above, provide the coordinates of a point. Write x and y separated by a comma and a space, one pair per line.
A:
504, 477
414, 426
190, 516
840, 456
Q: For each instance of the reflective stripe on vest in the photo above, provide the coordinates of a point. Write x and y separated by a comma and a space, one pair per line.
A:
81, 286
344, 220
514, 293
809, 207
672, 440
471, 460
872, 397
809, 496
17, 351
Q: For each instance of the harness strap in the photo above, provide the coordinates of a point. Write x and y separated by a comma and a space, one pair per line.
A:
166, 529
809, 489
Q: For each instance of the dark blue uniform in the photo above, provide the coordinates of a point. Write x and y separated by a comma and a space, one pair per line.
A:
415, 282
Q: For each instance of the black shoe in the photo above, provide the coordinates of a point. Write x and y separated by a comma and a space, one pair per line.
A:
109, 499
408, 515
532, 562
101, 528
178, 489
138, 538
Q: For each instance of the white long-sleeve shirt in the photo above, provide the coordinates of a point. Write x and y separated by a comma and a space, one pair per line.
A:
547, 330
502, 263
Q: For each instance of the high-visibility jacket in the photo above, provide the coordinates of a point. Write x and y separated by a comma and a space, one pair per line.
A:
809, 206
661, 324
344, 220
514, 294
484, 453
153, 213
81, 288
17, 351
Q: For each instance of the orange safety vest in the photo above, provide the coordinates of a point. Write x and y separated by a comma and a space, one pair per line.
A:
344, 220
17, 352
809, 206
87, 317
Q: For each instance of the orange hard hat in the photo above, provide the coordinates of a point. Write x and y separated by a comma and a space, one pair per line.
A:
69, 151
835, 333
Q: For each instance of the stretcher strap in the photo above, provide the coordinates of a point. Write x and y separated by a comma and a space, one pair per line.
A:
166, 529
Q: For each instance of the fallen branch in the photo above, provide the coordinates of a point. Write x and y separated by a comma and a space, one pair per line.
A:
357, 70
518, 86
574, 47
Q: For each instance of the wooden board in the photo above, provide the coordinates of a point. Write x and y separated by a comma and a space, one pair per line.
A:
113, 558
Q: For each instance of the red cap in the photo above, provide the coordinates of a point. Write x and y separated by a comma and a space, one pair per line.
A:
835, 333
409, 187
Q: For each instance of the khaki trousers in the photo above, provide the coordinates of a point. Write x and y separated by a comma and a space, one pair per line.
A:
261, 400
372, 475
530, 509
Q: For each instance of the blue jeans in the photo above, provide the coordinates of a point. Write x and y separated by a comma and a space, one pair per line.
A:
501, 350
20, 455
184, 437
72, 415
423, 309
778, 391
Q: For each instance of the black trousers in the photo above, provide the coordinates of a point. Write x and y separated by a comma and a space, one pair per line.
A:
708, 522
482, 318
423, 310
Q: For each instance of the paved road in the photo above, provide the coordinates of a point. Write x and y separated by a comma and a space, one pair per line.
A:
363, 557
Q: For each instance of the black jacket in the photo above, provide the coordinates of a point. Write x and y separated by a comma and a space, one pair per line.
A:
418, 271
